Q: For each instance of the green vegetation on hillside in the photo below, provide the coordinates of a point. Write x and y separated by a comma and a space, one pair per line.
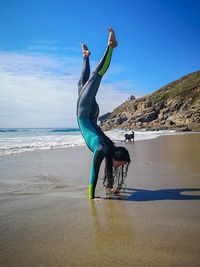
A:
183, 88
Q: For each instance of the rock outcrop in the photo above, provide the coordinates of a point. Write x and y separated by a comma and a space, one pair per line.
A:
174, 106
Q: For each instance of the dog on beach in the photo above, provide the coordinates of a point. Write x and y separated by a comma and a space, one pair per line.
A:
129, 137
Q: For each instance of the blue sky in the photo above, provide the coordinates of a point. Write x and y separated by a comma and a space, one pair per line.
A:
40, 57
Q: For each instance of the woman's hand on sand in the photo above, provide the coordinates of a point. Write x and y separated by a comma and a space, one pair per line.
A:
97, 199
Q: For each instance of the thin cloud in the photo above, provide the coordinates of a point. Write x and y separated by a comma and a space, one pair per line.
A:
48, 46
41, 91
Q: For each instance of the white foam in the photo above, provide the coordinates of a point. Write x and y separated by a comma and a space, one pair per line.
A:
118, 135
24, 144
44, 140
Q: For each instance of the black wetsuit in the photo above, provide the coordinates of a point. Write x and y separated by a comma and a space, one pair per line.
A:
87, 114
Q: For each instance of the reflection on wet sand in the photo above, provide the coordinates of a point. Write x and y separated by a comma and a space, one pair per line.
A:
114, 229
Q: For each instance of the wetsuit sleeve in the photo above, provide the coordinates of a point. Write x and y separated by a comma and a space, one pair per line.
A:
96, 163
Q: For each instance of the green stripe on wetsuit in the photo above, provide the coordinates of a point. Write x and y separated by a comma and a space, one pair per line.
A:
106, 62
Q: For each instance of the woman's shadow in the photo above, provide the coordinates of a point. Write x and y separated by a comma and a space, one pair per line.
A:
132, 194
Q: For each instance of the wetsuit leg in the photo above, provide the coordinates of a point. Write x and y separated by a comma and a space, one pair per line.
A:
105, 61
85, 74
86, 101
89, 91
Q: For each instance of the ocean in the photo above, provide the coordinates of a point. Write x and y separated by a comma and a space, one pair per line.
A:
18, 140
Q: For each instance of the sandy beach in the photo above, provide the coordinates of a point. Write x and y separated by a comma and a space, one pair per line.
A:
47, 220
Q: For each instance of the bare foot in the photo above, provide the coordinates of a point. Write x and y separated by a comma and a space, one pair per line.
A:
112, 39
85, 50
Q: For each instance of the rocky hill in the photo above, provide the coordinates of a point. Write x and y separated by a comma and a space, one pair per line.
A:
174, 106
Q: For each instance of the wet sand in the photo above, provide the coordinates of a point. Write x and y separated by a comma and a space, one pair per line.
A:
47, 220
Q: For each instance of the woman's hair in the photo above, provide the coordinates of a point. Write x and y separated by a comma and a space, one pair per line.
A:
114, 177
121, 154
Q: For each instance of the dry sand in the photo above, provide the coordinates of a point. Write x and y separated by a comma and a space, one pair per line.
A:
47, 220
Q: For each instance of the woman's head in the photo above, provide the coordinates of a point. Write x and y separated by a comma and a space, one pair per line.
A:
120, 157
116, 167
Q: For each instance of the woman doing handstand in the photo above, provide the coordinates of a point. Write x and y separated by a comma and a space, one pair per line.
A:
117, 158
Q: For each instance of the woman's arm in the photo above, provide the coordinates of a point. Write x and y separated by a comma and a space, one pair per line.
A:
99, 155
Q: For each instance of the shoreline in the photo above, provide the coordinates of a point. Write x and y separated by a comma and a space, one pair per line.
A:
47, 220
117, 142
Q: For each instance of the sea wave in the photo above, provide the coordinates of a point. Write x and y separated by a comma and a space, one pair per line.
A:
45, 139
65, 130
8, 130
34, 143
